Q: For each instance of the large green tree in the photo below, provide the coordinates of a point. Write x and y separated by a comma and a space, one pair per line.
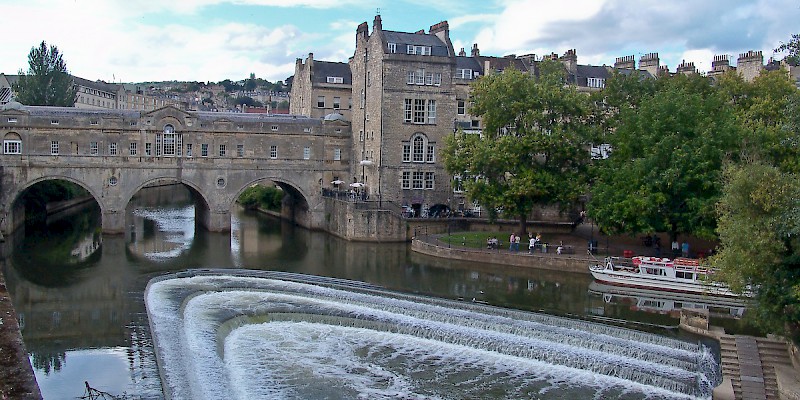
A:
792, 47
759, 232
663, 173
534, 146
47, 83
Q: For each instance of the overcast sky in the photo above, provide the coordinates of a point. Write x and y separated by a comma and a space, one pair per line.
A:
213, 40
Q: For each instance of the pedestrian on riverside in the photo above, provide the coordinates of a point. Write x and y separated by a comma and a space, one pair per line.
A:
531, 244
516, 243
685, 249
511, 242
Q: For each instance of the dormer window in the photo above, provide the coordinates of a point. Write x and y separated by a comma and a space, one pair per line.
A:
335, 79
392, 47
418, 50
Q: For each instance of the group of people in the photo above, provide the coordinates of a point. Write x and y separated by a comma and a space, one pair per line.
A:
514, 241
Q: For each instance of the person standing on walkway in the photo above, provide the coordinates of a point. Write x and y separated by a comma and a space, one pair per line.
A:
516, 243
685, 249
511, 242
531, 244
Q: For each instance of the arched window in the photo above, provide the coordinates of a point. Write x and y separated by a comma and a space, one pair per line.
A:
170, 141
12, 144
418, 149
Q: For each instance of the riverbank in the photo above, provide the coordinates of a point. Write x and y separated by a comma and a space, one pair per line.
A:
17, 380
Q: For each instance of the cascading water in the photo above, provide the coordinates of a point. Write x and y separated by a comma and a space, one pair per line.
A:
254, 334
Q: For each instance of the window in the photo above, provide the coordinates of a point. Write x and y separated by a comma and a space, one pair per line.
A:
93, 149
596, 82
306, 153
429, 155
462, 107
418, 50
169, 144
188, 149
419, 111
93, 122
239, 150
12, 147
464, 73
406, 180
148, 149
53, 122
132, 148
419, 149
429, 180
112, 149
204, 150
273, 151
320, 101
307, 129
12, 120
335, 79
337, 103
222, 150
337, 154
392, 47
420, 77
54, 147
406, 152
417, 179
273, 128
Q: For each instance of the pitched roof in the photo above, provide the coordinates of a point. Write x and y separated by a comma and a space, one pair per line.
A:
403, 39
323, 69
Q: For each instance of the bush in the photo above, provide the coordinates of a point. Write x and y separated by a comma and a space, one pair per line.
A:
259, 196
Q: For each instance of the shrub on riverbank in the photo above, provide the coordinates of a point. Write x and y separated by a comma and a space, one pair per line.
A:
259, 196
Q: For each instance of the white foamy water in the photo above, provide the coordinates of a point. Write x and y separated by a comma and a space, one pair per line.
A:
280, 335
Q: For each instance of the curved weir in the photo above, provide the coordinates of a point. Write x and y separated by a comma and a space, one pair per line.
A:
255, 334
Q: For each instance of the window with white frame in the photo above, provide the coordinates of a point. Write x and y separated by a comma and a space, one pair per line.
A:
417, 179
337, 103
148, 149
204, 150
222, 149
419, 150
112, 149
406, 180
320, 101
306, 153
12, 120
419, 111
421, 77
54, 147
274, 128
337, 154
429, 154
392, 47
273, 151
596, 83
418, 50
335, 79
462, 107
12, 146
188, 150
93, 148
464, 73
429, 180
132, 149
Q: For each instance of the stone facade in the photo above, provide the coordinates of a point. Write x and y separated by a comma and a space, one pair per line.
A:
320, 88
114, 153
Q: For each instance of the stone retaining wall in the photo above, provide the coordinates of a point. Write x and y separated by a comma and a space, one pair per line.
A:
558, 262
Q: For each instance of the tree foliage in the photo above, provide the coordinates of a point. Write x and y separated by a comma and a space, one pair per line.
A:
533, 149
759, 229
668, 148
47, 83
793, 48
260, 196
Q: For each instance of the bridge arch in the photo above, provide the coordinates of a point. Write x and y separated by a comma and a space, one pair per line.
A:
14, 212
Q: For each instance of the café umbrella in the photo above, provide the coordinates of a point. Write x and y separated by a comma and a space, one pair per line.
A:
357, 185
337, 182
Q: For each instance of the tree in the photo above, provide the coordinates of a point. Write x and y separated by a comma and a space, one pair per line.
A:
663, 173
534, 145
759, 231
793, 48
48, 83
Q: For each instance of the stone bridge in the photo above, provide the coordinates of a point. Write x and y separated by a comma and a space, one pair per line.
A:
115, 153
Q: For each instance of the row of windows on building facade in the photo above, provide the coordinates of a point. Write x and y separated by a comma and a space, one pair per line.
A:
337, 103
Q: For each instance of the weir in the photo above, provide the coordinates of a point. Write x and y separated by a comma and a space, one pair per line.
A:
264, 334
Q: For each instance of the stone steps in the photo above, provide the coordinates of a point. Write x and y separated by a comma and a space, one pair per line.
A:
750, 363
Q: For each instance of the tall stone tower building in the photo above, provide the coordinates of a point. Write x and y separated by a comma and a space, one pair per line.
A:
750, 64
404, 103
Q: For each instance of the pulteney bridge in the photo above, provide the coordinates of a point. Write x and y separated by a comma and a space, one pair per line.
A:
114, 153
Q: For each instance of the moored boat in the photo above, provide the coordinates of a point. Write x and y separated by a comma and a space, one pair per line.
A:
679, 275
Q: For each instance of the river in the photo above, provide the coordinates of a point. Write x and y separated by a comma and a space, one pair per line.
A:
79, 294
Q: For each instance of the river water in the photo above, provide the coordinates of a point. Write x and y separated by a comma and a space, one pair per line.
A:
79, 294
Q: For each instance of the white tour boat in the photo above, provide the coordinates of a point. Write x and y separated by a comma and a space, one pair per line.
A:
679, 275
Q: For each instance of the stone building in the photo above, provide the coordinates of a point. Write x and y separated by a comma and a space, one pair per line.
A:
320, 88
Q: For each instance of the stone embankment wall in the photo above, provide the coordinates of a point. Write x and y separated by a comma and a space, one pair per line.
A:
557, 262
